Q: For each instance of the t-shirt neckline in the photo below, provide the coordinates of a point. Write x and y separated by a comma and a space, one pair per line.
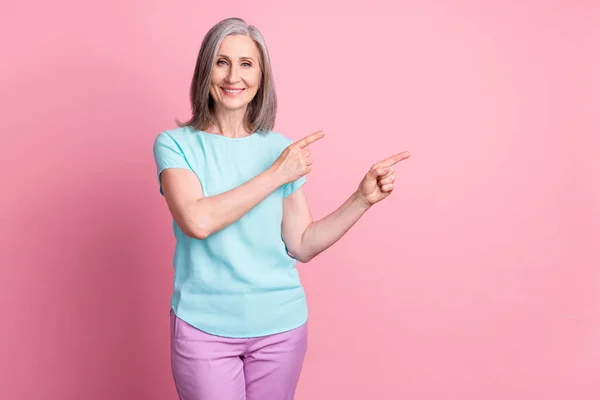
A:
214, 135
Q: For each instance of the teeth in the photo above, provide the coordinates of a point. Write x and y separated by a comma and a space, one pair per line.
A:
233, 91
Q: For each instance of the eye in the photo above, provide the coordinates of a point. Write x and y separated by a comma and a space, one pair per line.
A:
221, 62
246, 64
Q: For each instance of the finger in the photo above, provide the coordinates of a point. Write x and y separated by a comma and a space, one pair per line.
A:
379, 172
302, 143
388, 162
390, 172
308, 161
386, 180
387, 188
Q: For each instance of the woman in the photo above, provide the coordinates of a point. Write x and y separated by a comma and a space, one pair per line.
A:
241, 222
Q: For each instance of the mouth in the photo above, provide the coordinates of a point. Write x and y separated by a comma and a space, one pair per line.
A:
232, 91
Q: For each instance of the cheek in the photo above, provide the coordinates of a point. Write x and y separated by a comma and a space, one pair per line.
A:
216, 77
253, 80
214, 84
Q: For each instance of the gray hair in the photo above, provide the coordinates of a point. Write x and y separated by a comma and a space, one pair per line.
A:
261, 112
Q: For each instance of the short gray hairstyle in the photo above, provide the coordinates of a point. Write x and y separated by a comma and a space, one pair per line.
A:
261, 112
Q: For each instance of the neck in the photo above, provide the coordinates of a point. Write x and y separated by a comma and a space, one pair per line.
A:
229, 123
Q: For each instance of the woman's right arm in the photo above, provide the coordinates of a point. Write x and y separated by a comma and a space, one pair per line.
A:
199, 217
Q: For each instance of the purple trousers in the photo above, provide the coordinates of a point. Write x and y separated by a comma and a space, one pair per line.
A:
208, 367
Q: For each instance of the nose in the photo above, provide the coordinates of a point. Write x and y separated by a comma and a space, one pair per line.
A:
233, 75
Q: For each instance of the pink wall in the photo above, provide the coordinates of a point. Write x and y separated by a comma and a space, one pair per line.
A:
478, 279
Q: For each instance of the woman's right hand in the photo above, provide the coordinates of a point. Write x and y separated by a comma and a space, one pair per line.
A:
294, 161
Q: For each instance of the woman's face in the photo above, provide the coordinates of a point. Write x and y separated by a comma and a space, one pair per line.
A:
236, 75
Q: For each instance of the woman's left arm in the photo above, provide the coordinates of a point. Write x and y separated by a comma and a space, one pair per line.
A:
306, 238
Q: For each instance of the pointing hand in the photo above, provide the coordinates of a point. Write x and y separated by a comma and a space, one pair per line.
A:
378, 183
295, 161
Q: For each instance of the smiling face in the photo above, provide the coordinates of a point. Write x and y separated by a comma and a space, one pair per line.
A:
236, 75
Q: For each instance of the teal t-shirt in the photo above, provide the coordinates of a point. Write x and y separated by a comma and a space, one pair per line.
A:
239, 281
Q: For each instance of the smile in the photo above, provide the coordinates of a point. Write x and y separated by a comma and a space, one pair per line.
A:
232, 92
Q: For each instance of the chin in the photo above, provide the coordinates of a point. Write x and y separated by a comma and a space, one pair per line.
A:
234, 104
234, 107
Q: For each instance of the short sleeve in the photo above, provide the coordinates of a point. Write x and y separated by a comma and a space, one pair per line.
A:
291, 187
167, 154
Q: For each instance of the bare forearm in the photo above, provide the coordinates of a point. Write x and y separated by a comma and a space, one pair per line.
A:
213, 213
323, 233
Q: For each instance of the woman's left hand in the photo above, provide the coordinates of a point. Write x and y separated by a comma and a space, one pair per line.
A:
378, 183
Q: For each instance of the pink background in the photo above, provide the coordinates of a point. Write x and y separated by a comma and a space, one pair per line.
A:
478, 279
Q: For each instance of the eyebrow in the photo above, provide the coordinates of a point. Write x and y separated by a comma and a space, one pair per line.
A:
241, 58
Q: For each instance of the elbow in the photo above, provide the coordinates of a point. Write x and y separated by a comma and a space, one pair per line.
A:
305, 259
200, 232
200, 235
300, 251
195, 231
302, 257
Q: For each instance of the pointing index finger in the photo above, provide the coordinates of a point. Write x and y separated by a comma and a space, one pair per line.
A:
388, 162
302, 143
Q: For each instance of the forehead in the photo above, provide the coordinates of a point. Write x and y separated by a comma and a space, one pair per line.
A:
238, 46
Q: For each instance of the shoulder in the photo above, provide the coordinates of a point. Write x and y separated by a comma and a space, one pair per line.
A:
172, 140
177, 135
